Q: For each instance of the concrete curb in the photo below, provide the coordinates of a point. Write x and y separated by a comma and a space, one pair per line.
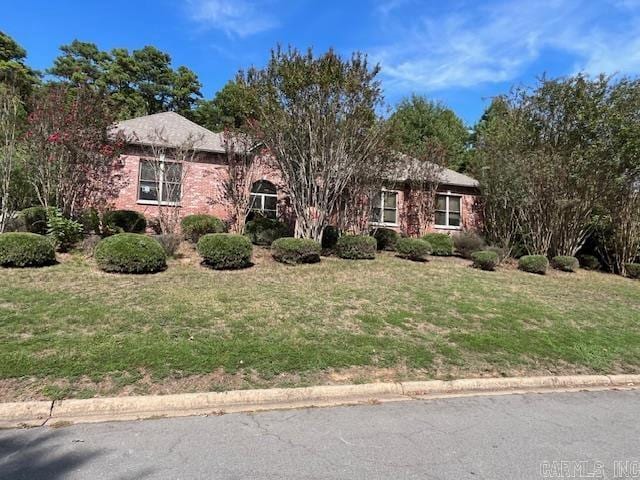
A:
65, 412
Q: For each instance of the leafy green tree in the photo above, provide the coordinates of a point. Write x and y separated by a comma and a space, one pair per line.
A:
551, 158
13, 69
232, 107
418, 120
316, 117
140, 82
81, 63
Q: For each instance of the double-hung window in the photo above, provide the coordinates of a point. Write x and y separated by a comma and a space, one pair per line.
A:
264, 199
160, 181
385, 208
448, 211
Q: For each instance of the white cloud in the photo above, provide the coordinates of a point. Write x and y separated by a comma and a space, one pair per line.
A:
240, 18
497, 43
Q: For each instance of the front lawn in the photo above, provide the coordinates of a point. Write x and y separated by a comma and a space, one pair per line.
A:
71, 330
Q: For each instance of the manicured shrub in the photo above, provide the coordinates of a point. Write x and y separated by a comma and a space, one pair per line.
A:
195, 226
63, 232
225, 251
263, 231
441, 244
24, 249
414, 249
534, 264
633, 270
130, 253
295, 250
124, 221
34, 220
356, 247
466, 243
330, 236
565, 263
485, 260
386, 238
169, 242
589, 262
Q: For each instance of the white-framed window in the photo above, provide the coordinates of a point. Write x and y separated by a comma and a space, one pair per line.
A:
159, 180
385, 208
448, 211
264, 199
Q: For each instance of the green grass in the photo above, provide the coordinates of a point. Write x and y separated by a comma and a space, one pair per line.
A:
75, 329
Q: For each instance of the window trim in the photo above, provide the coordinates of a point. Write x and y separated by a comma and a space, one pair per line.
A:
381, 207
160, 182
262, 197
447, 211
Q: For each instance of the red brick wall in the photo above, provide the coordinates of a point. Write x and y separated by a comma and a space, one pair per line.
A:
202, 189
202, 193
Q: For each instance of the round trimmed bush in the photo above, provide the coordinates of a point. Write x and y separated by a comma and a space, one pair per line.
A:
386, 238
130, 253
565, 263
485, 260
124, 221
263, 231
414, 249
34, 220
22, 249
534, 264
466, 243
441, 244
589, 262
195, 226
225, 251
295, 250
633, 270
356, 247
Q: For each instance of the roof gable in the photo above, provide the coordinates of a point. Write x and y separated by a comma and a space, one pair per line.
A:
174, 129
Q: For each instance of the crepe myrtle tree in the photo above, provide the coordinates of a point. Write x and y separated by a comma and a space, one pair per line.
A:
72, 153
546, 161
165, 166
618, 225
246, 164
10, 126
316, 116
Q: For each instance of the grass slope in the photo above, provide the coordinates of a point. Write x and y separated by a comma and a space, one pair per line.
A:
71, 330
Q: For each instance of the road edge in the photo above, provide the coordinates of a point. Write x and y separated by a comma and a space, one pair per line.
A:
72, 411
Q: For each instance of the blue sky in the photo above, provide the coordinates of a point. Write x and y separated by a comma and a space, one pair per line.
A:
459, 52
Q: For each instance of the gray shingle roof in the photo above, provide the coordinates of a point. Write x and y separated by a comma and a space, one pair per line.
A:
447, 177
175, 130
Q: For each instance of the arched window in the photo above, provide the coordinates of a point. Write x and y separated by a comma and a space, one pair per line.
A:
264, 199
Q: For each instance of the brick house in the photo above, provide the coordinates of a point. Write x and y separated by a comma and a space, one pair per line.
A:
201, 187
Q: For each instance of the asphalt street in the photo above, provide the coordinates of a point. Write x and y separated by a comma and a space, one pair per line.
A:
533, 436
